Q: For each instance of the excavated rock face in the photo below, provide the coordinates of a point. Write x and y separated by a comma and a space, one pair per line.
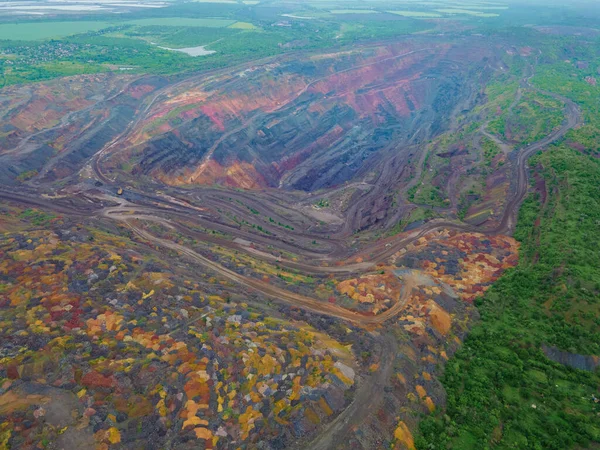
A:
304, 124
301, 122
50, 130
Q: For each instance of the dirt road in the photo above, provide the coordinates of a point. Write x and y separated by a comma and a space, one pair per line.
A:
277, 293
366, 401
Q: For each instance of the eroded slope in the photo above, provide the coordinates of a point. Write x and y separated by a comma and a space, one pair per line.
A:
305, 124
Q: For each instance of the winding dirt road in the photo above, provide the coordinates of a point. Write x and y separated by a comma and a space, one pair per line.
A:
277, 293
573, 118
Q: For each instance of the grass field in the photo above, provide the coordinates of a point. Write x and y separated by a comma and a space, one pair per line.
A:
187, 36
182, 22
34, 31
135, 40
416, 14
478, 6
37, 31
242, 26
353, 11
466, 12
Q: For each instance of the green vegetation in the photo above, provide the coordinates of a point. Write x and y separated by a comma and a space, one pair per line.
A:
282, 225
182, 37
129, 46
490, 150
502, 390
84, 54
182, 22
242, 26
473, 193
427, 194
501, 94
534, 116
41, 50
34, 31
322, 203
27, 175
426, 191
36, 217
468, 12
353, 11
416, 215
364, 29
563, 79
416, 14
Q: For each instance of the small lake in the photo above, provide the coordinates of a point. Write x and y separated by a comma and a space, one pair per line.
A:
192, 51
292, 16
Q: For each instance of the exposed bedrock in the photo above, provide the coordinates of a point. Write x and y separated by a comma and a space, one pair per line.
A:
307, 124
303, 122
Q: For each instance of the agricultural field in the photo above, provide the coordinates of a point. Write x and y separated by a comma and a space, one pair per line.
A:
468, 12
416, 14
67, 48
38, 31
181, 22
353, 11
176, 26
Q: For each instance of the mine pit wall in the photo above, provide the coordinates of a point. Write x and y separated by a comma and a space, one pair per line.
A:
73, 132
332, 132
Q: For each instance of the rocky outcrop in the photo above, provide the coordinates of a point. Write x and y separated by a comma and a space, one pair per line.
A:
575, 360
